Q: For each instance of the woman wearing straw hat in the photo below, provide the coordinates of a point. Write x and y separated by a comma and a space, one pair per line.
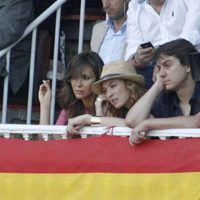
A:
119, 88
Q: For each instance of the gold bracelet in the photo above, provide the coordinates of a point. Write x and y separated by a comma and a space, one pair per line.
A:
95, 121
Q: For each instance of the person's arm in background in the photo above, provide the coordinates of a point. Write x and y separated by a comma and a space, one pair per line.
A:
142, 57
191, 29
15, 15
139, 56
141, 130
141, 109
134, 36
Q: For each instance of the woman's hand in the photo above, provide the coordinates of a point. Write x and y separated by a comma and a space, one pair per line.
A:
101, 105
76, 123
44, 93
139, 133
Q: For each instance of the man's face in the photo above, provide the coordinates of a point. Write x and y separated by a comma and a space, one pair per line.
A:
114, 8
172, 73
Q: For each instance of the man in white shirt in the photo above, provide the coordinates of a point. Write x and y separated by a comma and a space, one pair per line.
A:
159, 21
109, 37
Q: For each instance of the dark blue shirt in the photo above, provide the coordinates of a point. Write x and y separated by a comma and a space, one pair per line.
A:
167, 104
147, 72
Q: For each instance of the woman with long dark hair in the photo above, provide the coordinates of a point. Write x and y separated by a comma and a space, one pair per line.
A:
75, 96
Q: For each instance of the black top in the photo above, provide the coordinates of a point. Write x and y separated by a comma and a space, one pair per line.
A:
167, 104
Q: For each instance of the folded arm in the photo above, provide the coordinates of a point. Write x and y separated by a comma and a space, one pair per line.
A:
141, 109
76, 123
140, 131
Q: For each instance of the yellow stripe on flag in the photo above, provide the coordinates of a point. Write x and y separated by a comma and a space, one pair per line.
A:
100, 186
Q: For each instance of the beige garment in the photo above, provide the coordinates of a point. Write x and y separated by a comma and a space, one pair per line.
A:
98, 33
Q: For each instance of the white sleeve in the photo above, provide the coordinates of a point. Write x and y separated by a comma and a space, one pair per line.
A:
191, 29
134, 35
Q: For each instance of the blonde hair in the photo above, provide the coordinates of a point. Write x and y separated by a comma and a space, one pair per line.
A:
136, 92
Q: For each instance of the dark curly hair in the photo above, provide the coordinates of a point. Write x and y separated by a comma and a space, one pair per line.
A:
180, 48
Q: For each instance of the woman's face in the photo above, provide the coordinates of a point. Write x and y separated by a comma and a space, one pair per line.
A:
116, 92
81, 85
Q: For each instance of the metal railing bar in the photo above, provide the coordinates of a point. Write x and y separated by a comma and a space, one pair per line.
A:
55, 59
81, 26
5, 89
31, 76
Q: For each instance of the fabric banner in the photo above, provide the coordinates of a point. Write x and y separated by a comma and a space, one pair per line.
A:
104, 167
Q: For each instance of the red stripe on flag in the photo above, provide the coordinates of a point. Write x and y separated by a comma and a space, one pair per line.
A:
99, 154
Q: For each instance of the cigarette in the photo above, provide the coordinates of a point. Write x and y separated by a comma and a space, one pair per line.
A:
44, 81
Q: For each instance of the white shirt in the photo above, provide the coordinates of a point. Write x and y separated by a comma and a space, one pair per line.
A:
177, 19
113, 44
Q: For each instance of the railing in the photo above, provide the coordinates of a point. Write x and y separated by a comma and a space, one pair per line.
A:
33, 28
46, 130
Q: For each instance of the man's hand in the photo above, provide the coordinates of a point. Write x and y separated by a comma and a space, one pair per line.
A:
138, 134
143, 57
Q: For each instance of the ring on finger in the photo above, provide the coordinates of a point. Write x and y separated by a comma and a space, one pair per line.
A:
98, 99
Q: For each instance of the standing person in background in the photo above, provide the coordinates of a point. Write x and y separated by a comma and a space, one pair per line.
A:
75, 96
15, 15
158, 22
109, 37
119, 88
174, 98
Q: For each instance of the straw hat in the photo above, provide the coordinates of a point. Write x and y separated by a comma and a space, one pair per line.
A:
117, 69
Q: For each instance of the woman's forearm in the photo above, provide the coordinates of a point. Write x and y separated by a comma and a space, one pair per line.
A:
141, 109
44, 115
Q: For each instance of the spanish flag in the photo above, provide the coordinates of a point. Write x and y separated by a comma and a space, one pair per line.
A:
102, 167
